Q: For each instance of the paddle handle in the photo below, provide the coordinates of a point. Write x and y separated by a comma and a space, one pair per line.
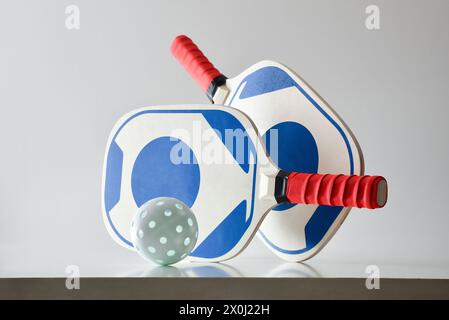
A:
336, 190
197, 65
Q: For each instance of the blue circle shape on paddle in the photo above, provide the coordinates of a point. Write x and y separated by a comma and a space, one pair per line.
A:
165, 167
296, 150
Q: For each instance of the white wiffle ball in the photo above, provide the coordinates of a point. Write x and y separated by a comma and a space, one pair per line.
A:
164, 230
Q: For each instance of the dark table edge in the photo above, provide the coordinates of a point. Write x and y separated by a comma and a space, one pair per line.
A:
223, 288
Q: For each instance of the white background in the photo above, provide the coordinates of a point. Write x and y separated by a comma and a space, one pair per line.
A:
61, 92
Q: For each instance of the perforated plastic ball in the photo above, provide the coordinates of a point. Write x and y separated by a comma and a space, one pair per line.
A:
164, 230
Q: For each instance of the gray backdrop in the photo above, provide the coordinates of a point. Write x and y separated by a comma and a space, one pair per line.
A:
61, 92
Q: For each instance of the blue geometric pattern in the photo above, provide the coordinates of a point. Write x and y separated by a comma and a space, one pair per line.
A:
297, 140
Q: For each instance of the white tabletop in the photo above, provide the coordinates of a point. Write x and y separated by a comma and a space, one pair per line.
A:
238, 267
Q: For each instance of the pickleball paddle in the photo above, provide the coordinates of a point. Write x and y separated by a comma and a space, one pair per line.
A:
312, 138
211, 158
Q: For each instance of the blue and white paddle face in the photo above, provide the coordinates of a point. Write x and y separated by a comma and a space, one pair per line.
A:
311, 138
192, 153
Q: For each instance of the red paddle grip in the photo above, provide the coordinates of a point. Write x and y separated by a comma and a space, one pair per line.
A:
194, 61
337, 190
